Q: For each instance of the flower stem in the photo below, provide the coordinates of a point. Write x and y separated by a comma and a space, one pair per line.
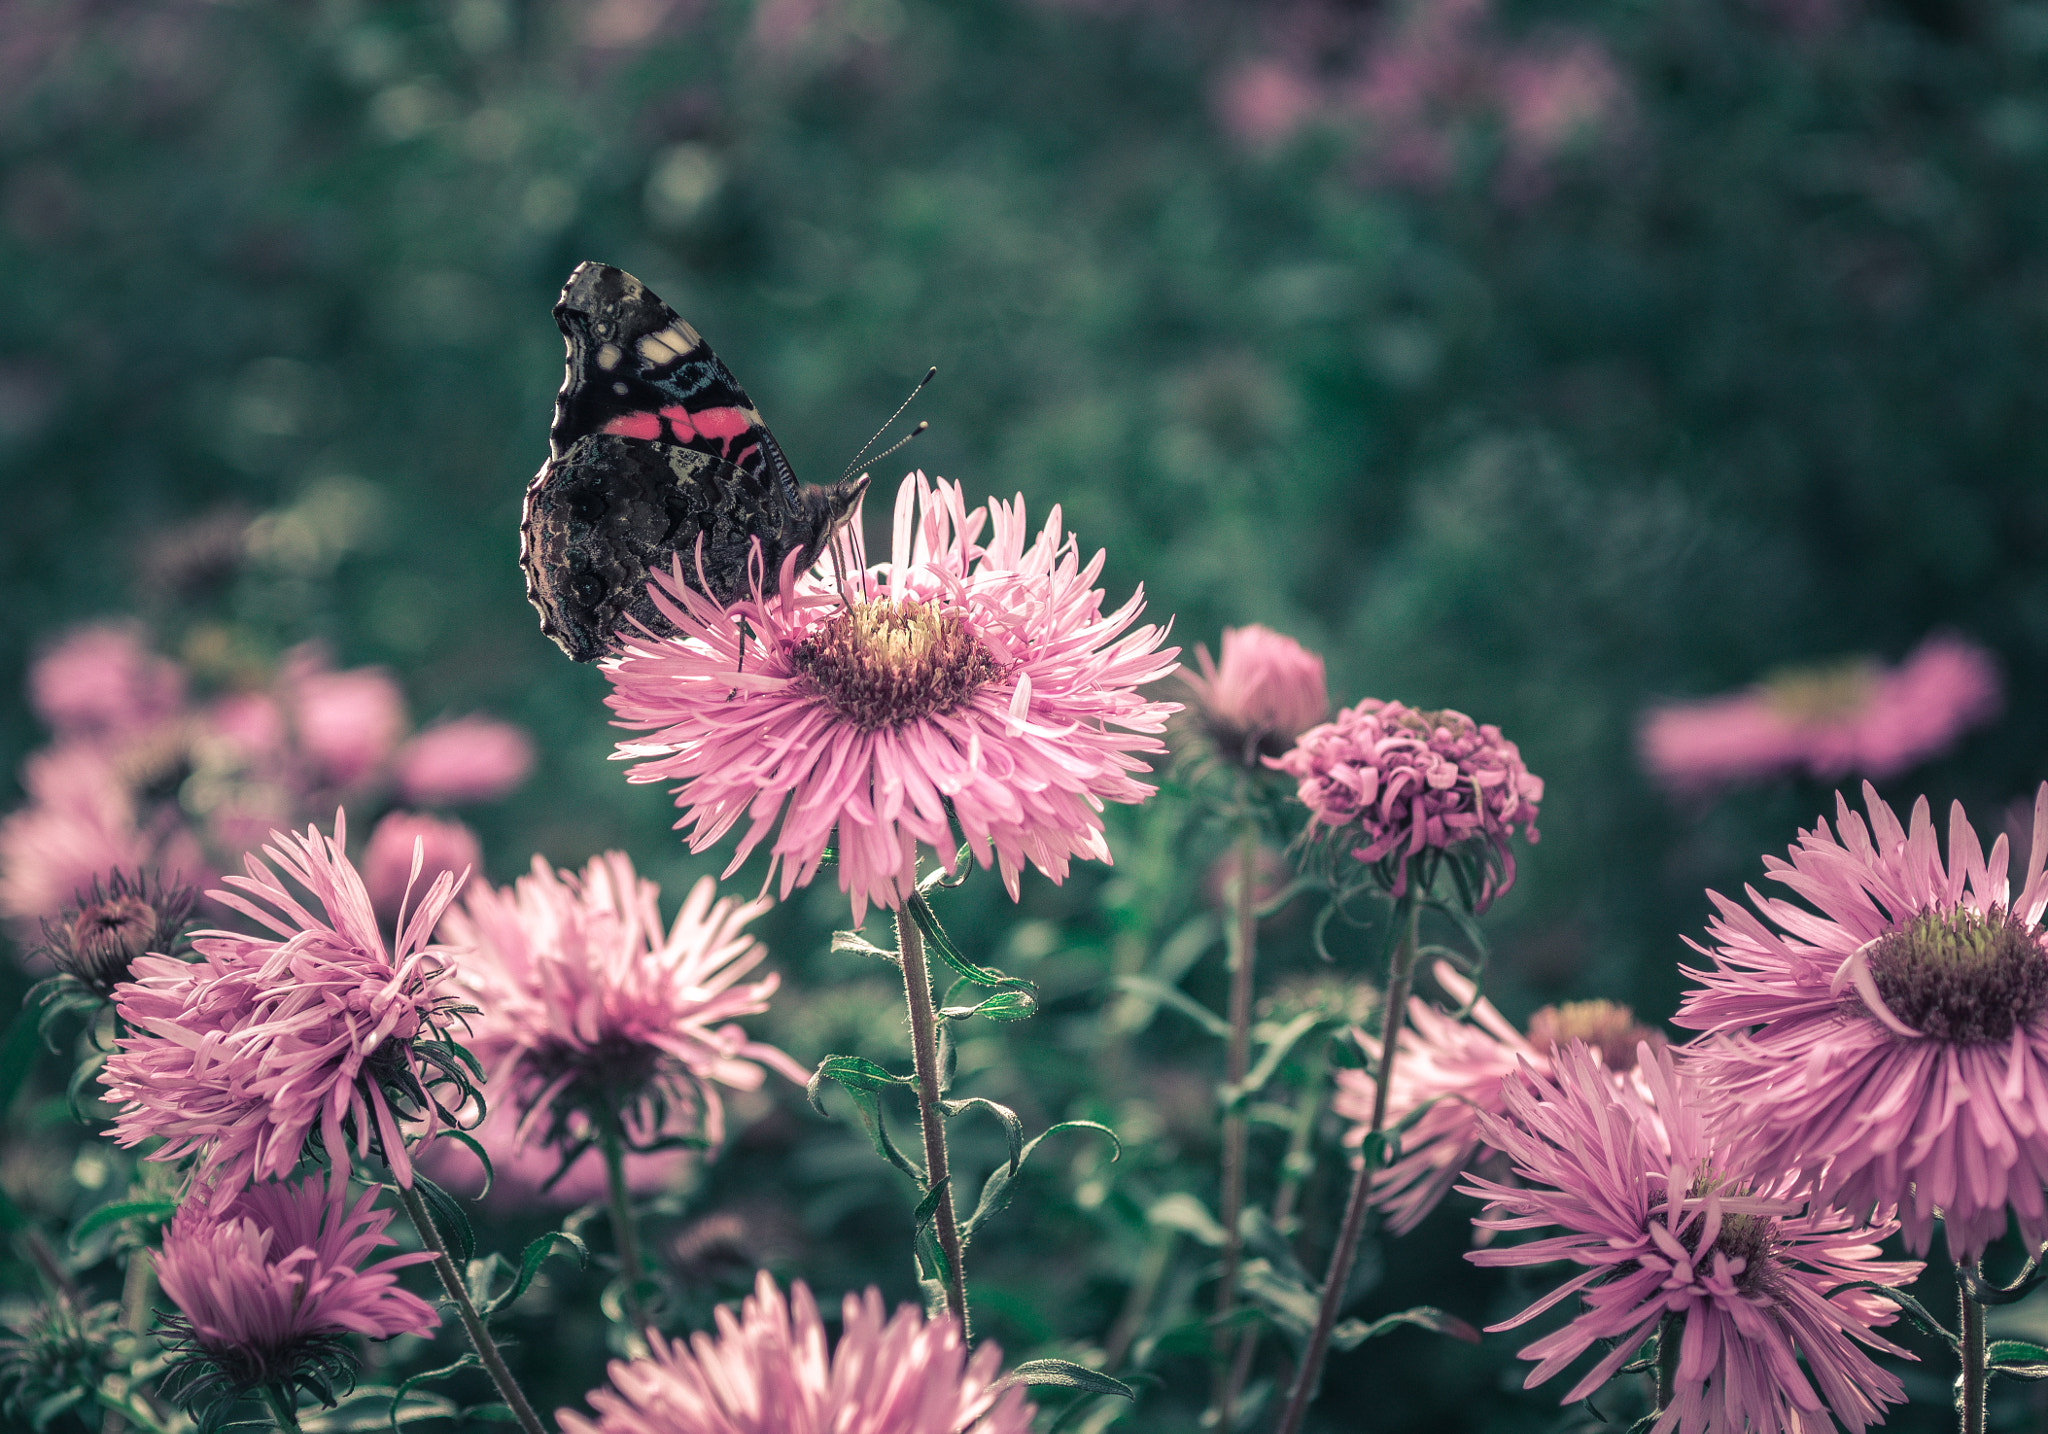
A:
924, 1055
1236, 1062
1670, 1342
138, 1287
472, 1322
282, 1407
625, 1235
1970, 1384
1308, 1378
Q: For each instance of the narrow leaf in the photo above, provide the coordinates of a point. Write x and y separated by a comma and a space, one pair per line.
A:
1277, 1047
1176, 999
1184, 1212
1063, 1374
448, 1216
863, 1081
859, 945
1352, 1333
398, 1395
996, 1192
1013, 1126
1915, 1311
530, 1262
942, 946
153, 1211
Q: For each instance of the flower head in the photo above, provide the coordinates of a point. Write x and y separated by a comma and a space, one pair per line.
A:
238, 1057
1266, 692
56, 1349
767, 1371
348, 723
1673, 1238
99, 936
472, 759
961, 689
1392, 784
102, 682
1891, 1042
445, 845
590, 1012
1461, 1066
271, 1284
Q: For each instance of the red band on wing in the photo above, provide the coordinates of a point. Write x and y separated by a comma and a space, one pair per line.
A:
635, 425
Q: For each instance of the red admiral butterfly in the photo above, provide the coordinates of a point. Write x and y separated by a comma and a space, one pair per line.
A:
654, 445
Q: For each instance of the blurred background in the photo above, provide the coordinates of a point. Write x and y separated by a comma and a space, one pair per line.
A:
1553, 360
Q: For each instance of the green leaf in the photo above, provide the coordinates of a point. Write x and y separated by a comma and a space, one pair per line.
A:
1915, 1311
1063, 1374
403, 1391
153, 1211
2017, 1359
1187, 1214
1013, 1127
476, 1148
1351, 1333
1291, 1304
530, 1262
996, 1191
448, 1218
1277, 1047
864, 1081
377, 1406
859, 945
1176, 999
942, 946
1002, 1006
927, 1210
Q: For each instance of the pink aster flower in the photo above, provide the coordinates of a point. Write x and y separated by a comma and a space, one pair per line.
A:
1393, 784
590, 1012
767, 1371
1267, 691
238, 1057
103, 682
271, 1284
1460, 1065
1852, 717
472, 759
1890, 1038
1675, 1241
962, 689
348, 723
387, 861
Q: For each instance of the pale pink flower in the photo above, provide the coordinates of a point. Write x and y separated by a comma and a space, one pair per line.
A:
961, 690
103, 682
253, 723
1890, 1038
240, 1056
348, 723
589, 1010
1266, 692
1460, 1066
767, 1371
1263, 103
1669, 1228
1391, 784
79, 826
445, 845
271, 1282
1854, 717
472, 759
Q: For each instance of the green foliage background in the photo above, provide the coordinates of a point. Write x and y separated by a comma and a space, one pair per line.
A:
1757, 382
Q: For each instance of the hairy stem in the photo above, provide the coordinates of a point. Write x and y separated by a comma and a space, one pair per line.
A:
283, 1407
472, 1322
625, 1234
1670, 1341
924, 1055
138, 1287
1236, 1062
1970, 1385
1407, 911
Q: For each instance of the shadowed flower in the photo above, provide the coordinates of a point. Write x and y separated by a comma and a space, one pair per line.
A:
1855, 717
1891, 1043
1674, 1243
1266, 692
102, 682
472, 759
272, 1283
960, 690
238, 1057
1460, 1066
1391, 784
589, 1013
446, 845
96, 939
767, 1371
524, 1173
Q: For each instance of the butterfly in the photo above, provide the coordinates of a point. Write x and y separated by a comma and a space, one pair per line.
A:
654, 446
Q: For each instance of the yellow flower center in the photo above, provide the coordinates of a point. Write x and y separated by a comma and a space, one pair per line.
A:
881, 664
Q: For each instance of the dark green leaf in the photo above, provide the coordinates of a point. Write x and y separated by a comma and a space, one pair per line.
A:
1187, 1214
1915, 1311
398, 1395
1277, 1047
941, 945
864, 1081
1013, 1127
530, 1262
483, 1157
1062, 1374
154, 1212
2017, 1359
1351, 1333
996, 1191
1002, 1006
448, 1218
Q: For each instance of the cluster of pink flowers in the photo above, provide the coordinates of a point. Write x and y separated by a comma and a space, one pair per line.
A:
139, 775
1855, 717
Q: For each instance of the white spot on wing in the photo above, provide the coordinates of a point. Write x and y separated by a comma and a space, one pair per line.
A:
608, 357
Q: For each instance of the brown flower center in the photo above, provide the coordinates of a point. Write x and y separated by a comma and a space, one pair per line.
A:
881, 664
1752, 1239
1606, 1026
1962, 975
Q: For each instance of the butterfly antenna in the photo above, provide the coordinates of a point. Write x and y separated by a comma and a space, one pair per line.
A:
930, 374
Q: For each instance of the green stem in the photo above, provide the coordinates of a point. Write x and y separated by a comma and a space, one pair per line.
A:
1670, 1342
472, 1322
138, 1287
1970, 1384
924, 1055
1308, 1378
625, 1234
282, 1408
1237, 1061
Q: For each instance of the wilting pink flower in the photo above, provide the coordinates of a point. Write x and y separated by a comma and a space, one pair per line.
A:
272, 1281
472, 759
103, 682
347, 722
767, 1372
588, 1008
238, 1057
959, 690
387, 861
1667, 1224
1460, 1065
1391, 783
1855, 717
1267, 691
1893, 1043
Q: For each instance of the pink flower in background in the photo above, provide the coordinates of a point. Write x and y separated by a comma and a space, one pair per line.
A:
1890, 1038
984, 677
1665, 1221
472, 759
348, 723
240, 1056
270, 1282
1391, 783
1460, 1065
251, 722
78, 827
1263, 103
1267, 691
767, 1371
1852, 718
445, 845
589, 1008
525, 1173
102, 682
